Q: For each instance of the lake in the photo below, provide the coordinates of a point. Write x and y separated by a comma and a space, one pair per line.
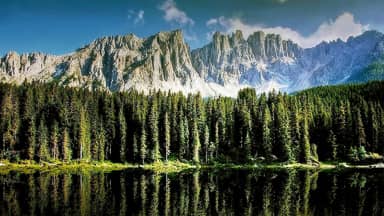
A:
204, 192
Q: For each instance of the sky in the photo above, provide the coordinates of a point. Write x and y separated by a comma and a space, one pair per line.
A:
61, 26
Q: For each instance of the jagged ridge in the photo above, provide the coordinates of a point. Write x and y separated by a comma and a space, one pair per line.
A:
230, 62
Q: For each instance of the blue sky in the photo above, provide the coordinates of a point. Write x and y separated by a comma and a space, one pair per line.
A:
61, 26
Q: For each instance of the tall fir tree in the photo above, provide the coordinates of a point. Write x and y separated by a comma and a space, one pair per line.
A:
305, 140
153, 129
42, 140
66, 148
167, 136
84, 136
122, 136
196, 143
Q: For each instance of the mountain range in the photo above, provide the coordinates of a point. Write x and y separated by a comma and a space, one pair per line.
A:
228, 63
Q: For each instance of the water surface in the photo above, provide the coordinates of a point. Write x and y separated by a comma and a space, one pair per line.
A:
224, 192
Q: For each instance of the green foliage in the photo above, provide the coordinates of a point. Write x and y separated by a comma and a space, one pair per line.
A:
43, 152
84, 136
196, 144
46, 122
66, 146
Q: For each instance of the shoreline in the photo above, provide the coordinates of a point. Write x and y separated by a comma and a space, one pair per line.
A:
167, 167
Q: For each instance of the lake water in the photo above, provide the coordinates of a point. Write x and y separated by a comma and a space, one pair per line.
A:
224, 192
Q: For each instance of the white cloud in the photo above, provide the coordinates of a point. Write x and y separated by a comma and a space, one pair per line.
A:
212, 21
137, 17
174, 14
140, 17
282, 1
342, 27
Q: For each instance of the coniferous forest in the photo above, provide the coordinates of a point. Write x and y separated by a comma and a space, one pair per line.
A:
48, 122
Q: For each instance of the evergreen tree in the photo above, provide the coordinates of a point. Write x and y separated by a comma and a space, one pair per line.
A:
341, 128
283, 140
84, 136
167, 136
122, 136
305, 143
206, 143
9, 125
182, 138
28, 127
359, 129
100, 143
66, 146
196, 143
143, 145
295, 131
43, 151
153, 121
373, 132
333, 144
54, 140
266, 133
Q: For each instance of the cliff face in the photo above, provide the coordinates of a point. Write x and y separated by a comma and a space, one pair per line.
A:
230, 62
230, 59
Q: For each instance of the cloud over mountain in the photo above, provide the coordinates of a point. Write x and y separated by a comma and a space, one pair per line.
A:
342, 28
173, 14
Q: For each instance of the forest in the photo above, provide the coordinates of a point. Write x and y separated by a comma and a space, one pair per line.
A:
49, 122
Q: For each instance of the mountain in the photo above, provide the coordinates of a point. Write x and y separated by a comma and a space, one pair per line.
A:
222, 67
263, 61
116, 63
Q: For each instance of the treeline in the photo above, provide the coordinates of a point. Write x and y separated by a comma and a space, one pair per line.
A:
47, 122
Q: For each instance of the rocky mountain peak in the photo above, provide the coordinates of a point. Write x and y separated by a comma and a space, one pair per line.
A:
230, 62
237, 38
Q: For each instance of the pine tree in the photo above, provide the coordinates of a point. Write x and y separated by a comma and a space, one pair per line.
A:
359, 129
305, 143
66, 146
196, 143
167, 136
206, 143
341, 129
9, 124
283, 139
31, 131
143, 145
295, 131
100, 143
84, 136
28, 127
333, 144
122, 138
185, 147
266, 133
54, 141
373, 127
215, 143
182, 136
153, 121
43, 151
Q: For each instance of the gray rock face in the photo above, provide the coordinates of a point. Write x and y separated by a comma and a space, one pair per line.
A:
118, 63
230, 62
230, 59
